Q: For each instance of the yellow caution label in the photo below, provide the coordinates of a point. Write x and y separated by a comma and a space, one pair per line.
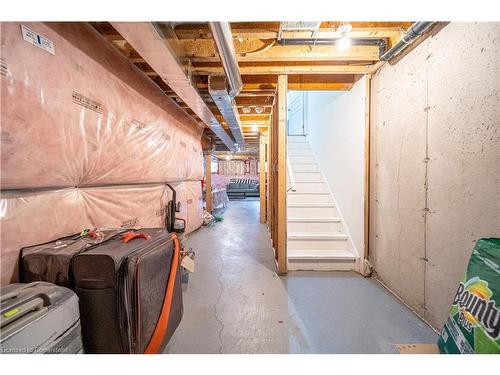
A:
10, 313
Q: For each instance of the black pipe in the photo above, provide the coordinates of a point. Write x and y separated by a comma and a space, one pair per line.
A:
380, 43
415, 31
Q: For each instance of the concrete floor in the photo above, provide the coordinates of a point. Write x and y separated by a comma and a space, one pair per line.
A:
236, 303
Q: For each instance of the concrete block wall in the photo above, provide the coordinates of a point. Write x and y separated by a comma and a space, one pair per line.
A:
435, 180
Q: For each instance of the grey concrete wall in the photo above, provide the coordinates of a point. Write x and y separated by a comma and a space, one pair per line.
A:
435, 180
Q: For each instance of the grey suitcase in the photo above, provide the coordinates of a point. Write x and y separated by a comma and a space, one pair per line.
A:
39, 317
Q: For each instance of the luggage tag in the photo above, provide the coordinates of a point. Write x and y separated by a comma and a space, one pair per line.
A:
188, 263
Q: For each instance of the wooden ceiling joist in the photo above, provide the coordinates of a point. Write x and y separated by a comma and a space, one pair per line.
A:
261, 60
291, 69
202, 51
270, 30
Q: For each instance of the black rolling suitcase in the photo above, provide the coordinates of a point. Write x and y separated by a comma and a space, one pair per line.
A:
130, 292
51, 261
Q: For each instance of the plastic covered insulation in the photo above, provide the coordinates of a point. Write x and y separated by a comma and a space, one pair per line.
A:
87, 140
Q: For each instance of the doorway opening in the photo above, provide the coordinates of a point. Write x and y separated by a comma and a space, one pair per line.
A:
326, 179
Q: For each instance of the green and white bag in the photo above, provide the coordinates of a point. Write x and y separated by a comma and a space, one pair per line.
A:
473, 325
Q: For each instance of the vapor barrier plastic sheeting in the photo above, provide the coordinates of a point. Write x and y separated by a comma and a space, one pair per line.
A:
31, 218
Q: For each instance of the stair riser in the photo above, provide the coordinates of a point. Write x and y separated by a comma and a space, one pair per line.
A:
312, 212
299, 152
307, 176
298, 139
317, 227
308, 198
305, 168
310, 187
301, 159
322, 266
298, 145
316, 244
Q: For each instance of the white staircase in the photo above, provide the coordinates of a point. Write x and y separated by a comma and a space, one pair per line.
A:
316, 236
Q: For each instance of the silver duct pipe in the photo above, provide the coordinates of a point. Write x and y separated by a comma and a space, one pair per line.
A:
148, 40
217, 87
221, 32
414, 32
223, 89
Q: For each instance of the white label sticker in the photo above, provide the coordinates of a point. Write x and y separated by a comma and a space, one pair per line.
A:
188, 263
37, 40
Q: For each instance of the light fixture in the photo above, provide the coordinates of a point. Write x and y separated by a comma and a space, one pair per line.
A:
247, 109
259, 110
343, 44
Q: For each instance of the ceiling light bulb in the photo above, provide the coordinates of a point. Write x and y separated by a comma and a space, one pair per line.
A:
247, 109
259, 110
344, 29
343, 44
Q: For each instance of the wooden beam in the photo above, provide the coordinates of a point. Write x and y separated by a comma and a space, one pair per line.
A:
290, 69
320, 86
282, 172
208, 182
254, 118
203, 50
312, 85
269, 30
262, 177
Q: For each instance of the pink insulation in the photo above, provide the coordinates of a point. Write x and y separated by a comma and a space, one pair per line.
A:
134, 134
104, 166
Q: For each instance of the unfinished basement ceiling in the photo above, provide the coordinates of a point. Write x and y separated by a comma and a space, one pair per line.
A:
307, 53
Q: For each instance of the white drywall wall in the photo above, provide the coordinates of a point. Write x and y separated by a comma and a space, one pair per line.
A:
435, 172
336, 132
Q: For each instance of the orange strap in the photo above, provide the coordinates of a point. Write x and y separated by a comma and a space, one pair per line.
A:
126, 237
161, 326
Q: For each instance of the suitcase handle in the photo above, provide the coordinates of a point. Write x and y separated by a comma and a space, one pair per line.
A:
131, 235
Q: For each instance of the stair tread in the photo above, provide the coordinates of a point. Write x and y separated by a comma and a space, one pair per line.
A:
312, 205
308, 192
320, 254
316, 235
314, 219
309, 182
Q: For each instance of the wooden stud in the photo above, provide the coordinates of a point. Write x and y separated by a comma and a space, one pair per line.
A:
282, 172
262, 177
367, 170
268, 172
208, 182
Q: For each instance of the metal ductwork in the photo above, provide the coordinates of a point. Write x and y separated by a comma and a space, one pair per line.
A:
217, 87
380, 43
148, 40
414, 32
223, 89
221, 32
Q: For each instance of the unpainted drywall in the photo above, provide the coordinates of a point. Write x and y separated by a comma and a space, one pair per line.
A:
435, 164
336, 133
